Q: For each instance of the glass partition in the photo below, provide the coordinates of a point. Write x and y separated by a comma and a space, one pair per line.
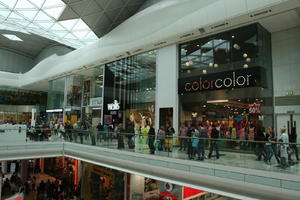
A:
130, 85
224, 80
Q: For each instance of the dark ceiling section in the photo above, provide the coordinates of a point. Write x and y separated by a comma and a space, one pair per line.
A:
101, 15
31, 46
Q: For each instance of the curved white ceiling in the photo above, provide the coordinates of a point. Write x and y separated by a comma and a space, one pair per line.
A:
160, 22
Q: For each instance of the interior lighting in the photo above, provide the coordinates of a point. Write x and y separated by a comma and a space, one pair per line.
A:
245, 55
245, 66
12, 37
232, 36
236, 46
187, 63
218, 101
191, 62
211, 64
248, 59
203, 54
216, 65
204, 71
188, 71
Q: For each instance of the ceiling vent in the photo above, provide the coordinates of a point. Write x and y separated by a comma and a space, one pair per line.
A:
186, 35
260, 13
160, 43
219, 25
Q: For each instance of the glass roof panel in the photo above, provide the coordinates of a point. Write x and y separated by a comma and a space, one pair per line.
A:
29, 14
80, 26
54, 12
40, 17
57, 27
45, 25
24, 4
15, 16
12, 37
53, 3
9, 3
68, 24
38, 3
4, 13
80, 34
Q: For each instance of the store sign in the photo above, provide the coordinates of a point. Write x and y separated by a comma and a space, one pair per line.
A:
96, 102
251, 77
113, 106
189, 193
255, 108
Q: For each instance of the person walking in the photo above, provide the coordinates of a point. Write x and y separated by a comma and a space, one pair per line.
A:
293, 139
161, 137
268, 148
214, 143
202, 141
189, 142
151, 139
284, 138
182, 134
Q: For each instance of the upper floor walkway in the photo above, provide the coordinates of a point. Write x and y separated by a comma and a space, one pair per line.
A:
236, 173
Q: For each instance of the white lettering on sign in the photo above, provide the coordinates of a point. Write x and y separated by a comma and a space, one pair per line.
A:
113, 106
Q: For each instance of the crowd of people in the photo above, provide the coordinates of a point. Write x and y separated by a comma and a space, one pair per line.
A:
194, 138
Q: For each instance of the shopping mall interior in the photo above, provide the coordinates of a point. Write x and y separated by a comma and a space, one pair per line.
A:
149, 99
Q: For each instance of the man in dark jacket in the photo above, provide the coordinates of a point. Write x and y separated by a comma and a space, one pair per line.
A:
214, 142
293, 139
151, 135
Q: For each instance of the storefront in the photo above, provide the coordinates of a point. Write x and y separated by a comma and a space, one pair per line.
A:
101, 183
226, 79
77, 98
129, 96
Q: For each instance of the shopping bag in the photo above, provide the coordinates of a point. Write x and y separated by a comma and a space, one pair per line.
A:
157, 144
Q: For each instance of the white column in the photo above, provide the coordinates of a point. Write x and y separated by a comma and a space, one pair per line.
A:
167, 83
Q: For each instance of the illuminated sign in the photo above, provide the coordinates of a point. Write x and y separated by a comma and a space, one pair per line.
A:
250, 77
113, 106
96, 102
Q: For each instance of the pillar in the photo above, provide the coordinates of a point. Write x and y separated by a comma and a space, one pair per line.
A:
167, 83
24, 170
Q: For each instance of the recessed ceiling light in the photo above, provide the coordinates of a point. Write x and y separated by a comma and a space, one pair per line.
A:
204, 71
12, 37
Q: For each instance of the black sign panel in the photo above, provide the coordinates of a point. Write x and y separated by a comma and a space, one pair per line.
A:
250, 77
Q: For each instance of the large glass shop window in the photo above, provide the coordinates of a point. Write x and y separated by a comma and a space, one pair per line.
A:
226, 79
129, 94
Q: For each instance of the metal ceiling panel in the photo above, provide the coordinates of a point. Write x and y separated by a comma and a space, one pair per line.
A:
91, 8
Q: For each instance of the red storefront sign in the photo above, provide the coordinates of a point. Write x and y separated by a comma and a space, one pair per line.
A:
191, 192
254, 108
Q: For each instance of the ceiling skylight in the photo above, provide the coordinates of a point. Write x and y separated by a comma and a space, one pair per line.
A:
12, 37
40, 17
